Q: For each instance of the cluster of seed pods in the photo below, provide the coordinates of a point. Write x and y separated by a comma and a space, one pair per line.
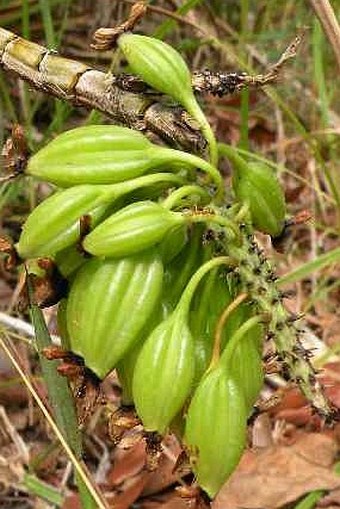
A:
155, 286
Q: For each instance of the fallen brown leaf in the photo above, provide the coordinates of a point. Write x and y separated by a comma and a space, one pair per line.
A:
271, 478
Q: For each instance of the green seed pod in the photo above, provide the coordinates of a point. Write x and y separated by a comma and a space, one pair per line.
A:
159, 65
126, 366
109, 304
212, 297
107, 154
165, 367
247, 370
163, 68
243, 361
54, 223
95, 154
173, 243
163, 373
125, 370
134, 228
215, 431
257, 185
183, 266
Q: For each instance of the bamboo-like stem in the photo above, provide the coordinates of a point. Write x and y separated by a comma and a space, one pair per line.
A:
82, 85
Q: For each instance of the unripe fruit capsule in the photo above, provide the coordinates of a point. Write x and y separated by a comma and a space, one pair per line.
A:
242, 360
163, 68
215, 431
165, 367
110, 302
257, 185
134, 228
159, 65
107, 154
163, 373
96, 154
54, 224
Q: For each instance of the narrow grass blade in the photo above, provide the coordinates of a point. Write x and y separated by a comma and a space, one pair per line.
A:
43, 490
308, 268
60, 396
310, 500
59, 392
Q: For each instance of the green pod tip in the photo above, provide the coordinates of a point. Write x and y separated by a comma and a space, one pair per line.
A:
163, 374
163, 68
109, 304
215, 431
256, 185
158, 64
134, 228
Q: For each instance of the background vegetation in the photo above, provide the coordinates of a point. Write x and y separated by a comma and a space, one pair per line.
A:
294, 124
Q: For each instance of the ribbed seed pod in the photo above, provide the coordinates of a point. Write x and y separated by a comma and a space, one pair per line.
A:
165, 367
163, 373
212, 297
183, 266
125, 369
95, 154
173, 243
110, 302
54, 224
159, 65
215, 431
126, 366
243, 360
163, 68
134, 228
247, 370
257, 185
107, 154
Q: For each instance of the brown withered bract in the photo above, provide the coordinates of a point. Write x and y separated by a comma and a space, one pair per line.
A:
48, 289
123, 420
85, 384
280, 243
105, 38
194, 496
153, 441
12, 259
15, 153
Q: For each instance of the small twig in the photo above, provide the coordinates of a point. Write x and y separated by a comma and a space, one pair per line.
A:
218, 83
105, 38
7, 426
324, 11
22, 327
274, 70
